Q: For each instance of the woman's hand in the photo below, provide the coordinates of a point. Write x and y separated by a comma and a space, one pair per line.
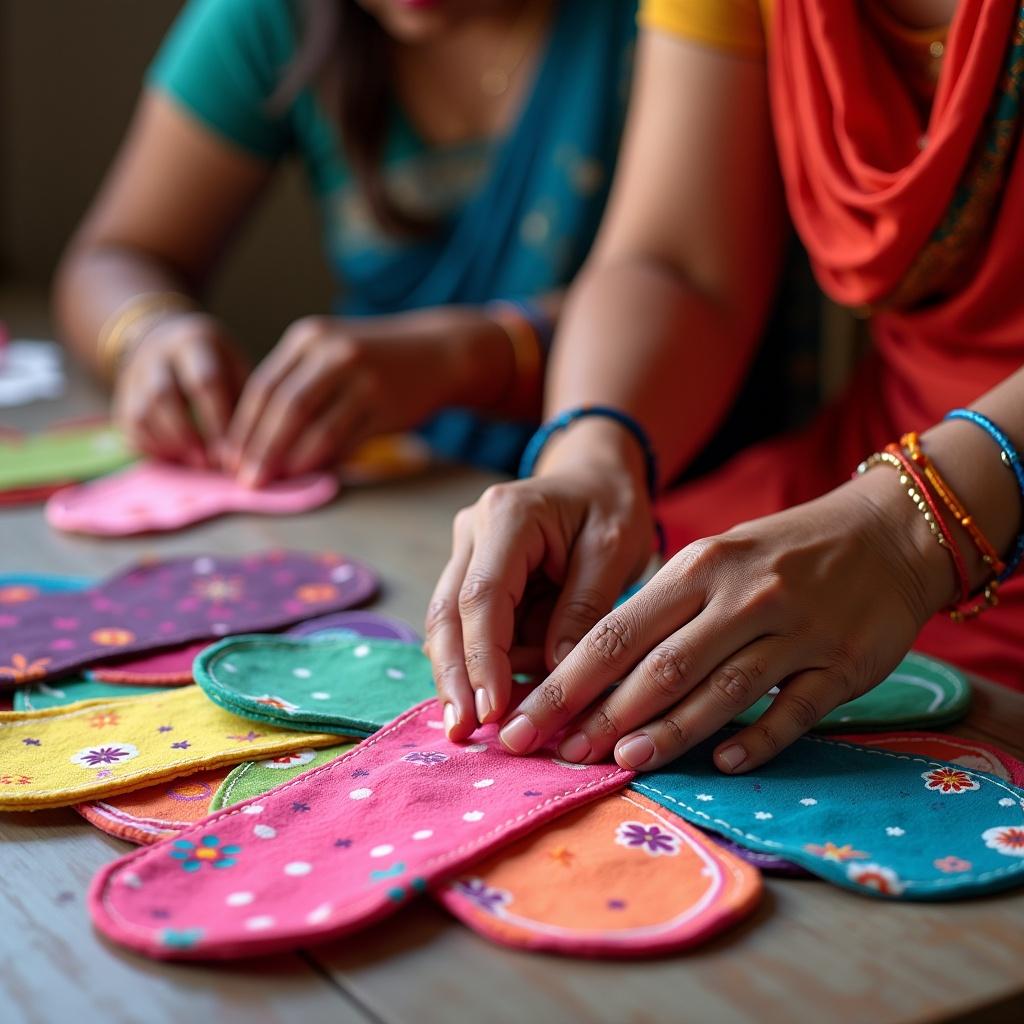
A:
534, 565
822, 600
331, 383
175, 391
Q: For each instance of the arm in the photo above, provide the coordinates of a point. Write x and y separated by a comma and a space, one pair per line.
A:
661, 324
167, 208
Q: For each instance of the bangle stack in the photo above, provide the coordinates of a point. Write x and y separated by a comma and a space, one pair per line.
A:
125, 327
931, 494
528, 348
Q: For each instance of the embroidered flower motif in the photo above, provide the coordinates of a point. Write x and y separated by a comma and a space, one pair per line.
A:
181, 745
207, 851
299, 757
895, 830
110, 636
838, 854
30, 742
247, 737
487, 898
104, 718
218, 589
763, 815
21, 670
165, 728
115, 753
653, 840
17, 594
280, 703
948, 780
952, 865
15, 780
426, 757
1007, 839
705, 797
562, 855
316, 593
877, 877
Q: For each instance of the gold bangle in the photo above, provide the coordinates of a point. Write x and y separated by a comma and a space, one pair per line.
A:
526, 352
128, 323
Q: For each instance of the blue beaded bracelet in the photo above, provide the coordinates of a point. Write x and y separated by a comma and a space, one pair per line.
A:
536, 444
1011, 459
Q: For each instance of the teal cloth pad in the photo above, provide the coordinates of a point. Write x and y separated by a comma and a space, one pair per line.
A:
324, 683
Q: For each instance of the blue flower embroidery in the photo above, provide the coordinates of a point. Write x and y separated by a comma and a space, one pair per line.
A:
207, 850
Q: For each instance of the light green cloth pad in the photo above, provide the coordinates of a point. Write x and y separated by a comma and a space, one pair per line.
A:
920, 691
68, 691
254, 778
62, 455
326, 683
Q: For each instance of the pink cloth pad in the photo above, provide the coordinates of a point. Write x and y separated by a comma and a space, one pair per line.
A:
339, 847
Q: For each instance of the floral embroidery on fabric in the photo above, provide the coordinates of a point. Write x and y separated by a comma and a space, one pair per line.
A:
426, 757
219, 589
839, 854
653, 840
114, 753
288, 760
21, 670
1007, 839
486, 897
280, 703
17, 594
952, 865
112, 637
30, 742
15, 780
315, 593
246, 737
877, 877
949, 780
562, 855
104, 718
207, 851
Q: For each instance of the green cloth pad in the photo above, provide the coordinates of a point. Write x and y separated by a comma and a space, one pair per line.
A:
68, 691
62, 455
324, 683
872, 820
254, 778
920, 691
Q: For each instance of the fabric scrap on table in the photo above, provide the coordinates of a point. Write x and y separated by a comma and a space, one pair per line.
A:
254, 778
338, 847
161, 604
619, 877
170, 667
96, 748
153, 497
920, 691
358, 623
60, 692
872, 820
348, 685
145, 816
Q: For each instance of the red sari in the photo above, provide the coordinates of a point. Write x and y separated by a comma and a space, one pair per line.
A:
873, 181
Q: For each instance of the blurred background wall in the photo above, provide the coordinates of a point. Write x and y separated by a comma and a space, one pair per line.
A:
70, 72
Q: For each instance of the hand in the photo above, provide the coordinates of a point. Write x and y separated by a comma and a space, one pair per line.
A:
822, 600
534, 565
331, 383
175, 391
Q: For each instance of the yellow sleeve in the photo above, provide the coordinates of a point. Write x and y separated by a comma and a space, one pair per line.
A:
734, 25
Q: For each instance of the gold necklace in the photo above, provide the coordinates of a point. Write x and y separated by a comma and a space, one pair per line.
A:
496, 79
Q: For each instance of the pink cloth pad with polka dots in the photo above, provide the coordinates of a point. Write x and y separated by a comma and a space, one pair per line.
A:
152, 497
338, 847
167, 603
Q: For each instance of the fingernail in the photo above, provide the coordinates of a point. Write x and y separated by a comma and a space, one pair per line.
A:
563, 650
451, 719
732, 757
518, 734
483, 706
575, 748
248, 476
636, 752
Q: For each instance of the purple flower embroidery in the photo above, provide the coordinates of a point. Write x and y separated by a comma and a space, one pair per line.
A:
181, 745
427, 757
91, 757
32, 743
651, 839
477, 891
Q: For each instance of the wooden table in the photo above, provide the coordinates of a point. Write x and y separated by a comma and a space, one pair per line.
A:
812, 952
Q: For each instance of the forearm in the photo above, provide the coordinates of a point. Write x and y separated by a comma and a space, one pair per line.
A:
94, 281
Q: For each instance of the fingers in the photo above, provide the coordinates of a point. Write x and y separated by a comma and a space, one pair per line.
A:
444, 635
508, 546
157, 416
607, 654
803, 702
599, 568
332, 436
207, 385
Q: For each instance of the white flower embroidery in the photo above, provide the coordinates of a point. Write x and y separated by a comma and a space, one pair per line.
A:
895, 830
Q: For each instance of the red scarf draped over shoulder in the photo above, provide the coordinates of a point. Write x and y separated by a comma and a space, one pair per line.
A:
869, 178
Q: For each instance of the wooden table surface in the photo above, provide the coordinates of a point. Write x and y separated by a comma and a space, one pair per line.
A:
811, 953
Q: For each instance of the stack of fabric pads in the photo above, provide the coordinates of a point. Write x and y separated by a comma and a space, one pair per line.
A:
305, 788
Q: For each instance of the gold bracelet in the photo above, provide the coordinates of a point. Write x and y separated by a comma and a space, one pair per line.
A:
527, 353
128, 323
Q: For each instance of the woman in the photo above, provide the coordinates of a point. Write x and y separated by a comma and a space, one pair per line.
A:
898, 145
460, 153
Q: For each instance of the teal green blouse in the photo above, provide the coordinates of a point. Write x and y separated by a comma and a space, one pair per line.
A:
517, 214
